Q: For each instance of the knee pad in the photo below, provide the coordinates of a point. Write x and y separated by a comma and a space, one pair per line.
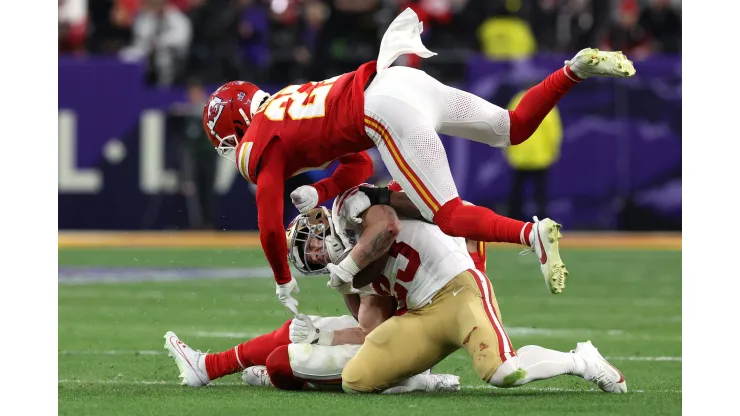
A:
356, 378
280, 372
507, 374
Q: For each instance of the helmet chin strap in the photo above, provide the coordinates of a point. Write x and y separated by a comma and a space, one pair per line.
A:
334, 248
246, 119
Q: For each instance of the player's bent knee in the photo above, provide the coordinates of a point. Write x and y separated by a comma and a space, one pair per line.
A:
508, 374
280, 372
356, 378
443, 216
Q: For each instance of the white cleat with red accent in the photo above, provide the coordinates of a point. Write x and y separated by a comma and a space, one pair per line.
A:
591, 62
256, 375
545, 237
598, 370
191, 363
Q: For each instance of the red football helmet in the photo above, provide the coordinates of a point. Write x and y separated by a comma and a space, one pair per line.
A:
228, 113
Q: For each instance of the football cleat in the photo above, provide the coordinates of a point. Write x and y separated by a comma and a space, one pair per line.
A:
546, 234
443, 383
256, 375
593, 62
598, 370
191, 363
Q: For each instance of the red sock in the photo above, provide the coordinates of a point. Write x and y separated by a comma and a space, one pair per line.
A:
481, 224
280, 372
252, 352
537, 102
479, 257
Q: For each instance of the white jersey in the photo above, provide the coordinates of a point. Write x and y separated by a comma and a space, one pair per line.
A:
422, 259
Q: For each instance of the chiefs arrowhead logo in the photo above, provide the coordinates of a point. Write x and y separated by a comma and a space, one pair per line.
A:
215, 108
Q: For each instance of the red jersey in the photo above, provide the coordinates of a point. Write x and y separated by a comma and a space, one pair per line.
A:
318, 122
300, 128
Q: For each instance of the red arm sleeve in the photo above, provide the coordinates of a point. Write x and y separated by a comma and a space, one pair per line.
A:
270, 186
353, 170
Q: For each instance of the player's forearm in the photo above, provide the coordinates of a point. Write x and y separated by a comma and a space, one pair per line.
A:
353, 170
376, 238
270, 220
276, 251
348, 336
374, 310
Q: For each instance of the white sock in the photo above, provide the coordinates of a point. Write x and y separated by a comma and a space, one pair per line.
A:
202, 363
534, 363
529, 238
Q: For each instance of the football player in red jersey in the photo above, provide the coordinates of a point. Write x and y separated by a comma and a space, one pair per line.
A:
400, 111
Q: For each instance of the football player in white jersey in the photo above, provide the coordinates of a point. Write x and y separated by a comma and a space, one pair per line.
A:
307, 352
297, 356
449, 304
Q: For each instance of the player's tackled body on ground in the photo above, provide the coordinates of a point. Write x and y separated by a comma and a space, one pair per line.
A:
449, 304
286, 357
399, 110
305, 353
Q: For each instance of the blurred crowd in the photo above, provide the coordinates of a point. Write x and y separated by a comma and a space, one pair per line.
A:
200, 43
286, 41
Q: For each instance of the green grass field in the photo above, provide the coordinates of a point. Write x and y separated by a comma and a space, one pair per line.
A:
112, 361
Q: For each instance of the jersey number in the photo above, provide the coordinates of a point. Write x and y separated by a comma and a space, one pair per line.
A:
300, 105
382, 286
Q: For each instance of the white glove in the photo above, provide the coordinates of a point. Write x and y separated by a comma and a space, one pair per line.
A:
354, 206
344, 288
302, 331
338, 275
305, 198
283, 293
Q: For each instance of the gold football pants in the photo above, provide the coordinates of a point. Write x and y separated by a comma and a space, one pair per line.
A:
464, 314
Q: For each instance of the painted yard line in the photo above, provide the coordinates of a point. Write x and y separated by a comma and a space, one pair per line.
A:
465, 387
163, 352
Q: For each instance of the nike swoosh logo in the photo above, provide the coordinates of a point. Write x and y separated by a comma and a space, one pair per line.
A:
543, 257
179, 350
458, 291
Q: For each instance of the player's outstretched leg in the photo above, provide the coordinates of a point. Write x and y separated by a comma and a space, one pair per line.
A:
413, 153
481, 224
190, 362
466, 115
197, 368
534, 363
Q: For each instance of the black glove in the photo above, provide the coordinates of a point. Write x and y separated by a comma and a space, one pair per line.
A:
377, 196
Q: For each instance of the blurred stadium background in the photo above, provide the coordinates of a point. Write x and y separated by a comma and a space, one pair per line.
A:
134, 75
156, 232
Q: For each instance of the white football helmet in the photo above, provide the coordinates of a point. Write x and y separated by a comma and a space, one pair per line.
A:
316, 223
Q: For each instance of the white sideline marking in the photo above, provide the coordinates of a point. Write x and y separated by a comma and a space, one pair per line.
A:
163, 352
471, 387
